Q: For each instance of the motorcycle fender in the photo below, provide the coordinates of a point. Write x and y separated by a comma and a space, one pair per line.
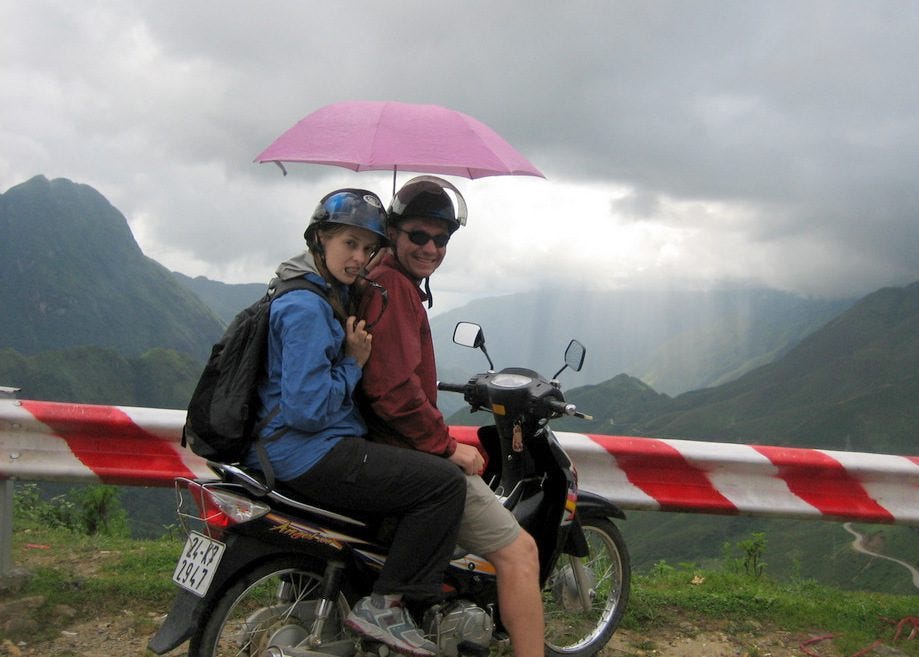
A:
242, 553
178, 626
589, 504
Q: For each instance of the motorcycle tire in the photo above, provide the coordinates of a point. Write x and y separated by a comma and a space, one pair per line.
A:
269, 605
584, 598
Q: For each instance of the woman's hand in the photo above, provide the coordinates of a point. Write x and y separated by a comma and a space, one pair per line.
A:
357, 340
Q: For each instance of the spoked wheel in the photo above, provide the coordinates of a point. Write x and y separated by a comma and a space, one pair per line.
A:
585, 597
274, 605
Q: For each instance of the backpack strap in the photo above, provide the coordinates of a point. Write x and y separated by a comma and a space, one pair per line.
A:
277, 288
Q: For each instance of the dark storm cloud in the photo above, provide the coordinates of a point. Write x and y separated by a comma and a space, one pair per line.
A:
778, 133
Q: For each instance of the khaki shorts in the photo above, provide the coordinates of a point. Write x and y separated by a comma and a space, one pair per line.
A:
486, 525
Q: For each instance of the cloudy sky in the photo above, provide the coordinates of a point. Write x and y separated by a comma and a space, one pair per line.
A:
685, 144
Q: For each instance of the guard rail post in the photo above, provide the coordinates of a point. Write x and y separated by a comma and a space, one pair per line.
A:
6, 527
6, 508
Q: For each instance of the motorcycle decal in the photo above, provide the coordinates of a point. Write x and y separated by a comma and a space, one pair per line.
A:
290, 529
474, 563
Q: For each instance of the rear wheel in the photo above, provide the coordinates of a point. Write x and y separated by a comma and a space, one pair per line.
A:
585, 597
275, 604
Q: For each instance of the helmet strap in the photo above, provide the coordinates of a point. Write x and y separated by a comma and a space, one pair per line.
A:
427, 291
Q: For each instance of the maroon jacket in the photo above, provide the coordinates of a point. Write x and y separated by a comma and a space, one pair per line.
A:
400, 380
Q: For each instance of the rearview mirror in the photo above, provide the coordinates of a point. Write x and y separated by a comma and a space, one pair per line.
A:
574, 355
468, 334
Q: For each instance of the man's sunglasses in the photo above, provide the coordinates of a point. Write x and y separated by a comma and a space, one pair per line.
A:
421, 238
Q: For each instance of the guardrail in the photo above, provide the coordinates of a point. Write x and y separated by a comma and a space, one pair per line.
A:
81, 443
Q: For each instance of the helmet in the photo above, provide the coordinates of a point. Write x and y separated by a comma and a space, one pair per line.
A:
353, 207
426, 197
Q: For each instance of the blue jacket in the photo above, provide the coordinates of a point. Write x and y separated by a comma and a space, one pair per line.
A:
312, 380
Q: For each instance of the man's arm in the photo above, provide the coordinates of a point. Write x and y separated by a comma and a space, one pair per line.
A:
391, 381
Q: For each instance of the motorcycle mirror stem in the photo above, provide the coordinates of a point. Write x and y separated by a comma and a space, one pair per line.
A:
574, 357
468, 334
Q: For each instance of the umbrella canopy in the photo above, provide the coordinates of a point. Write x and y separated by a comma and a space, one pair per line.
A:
394, 136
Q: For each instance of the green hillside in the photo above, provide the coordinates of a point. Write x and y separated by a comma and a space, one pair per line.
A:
159, 378
73, 275
86, 317
223, 298
674, 340
851, 385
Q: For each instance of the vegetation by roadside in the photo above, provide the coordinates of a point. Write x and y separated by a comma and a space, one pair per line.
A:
104, 594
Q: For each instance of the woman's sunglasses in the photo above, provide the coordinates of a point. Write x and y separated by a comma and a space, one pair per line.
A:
421, 238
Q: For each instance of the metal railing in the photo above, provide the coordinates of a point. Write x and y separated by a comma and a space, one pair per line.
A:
82, 443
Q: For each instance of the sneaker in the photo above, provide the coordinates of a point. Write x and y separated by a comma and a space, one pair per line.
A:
390, 625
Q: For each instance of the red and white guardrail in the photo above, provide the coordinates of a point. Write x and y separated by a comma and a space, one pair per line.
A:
48, 441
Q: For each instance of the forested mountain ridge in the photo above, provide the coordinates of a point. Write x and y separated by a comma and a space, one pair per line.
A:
73, 275
852, 385
811, 372
672, 340
225, 299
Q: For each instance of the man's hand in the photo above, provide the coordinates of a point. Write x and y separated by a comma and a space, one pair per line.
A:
468, 459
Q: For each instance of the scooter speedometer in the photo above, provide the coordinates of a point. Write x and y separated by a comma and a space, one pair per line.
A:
511, 381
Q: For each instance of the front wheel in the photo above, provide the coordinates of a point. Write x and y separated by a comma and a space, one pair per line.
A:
585, 597
272, 605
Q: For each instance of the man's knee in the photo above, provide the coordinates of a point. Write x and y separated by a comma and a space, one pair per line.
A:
520, 552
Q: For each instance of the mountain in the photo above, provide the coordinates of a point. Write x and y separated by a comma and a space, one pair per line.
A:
159, 378
672, 340
73, 275
852, 385
225, 299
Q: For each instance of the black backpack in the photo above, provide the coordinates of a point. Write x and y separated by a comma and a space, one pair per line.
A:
220, 425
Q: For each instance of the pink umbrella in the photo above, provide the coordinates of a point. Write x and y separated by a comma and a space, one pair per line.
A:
384, 135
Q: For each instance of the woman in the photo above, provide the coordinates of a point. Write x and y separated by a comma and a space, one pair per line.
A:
316, 351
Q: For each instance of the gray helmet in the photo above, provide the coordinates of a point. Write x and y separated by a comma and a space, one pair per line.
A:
426, 197
353, 207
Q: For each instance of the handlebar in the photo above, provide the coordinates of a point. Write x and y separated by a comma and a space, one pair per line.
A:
566, 408
555, 405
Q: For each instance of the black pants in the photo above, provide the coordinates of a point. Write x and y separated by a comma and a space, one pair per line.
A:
425, 493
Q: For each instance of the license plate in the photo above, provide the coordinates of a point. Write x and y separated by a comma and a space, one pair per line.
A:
197, 563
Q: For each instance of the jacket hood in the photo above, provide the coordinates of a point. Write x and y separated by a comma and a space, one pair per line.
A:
297, 266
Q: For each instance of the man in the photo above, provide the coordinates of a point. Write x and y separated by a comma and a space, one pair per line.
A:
400, 385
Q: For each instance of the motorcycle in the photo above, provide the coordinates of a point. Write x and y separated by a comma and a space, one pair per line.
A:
263, 574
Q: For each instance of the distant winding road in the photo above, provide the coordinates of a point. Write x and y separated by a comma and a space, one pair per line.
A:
859, 546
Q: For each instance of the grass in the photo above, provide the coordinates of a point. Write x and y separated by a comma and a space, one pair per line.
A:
96, 575
92, 576
855, 619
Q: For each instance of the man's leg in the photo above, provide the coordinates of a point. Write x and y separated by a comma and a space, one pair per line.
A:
490, 530
519, 597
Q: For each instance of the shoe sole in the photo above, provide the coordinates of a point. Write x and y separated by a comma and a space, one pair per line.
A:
378, 634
